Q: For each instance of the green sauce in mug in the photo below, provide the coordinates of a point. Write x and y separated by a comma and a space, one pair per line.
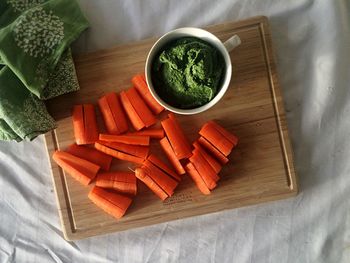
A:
188, 72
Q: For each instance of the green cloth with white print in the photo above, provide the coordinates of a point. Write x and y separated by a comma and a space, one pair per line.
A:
36, 60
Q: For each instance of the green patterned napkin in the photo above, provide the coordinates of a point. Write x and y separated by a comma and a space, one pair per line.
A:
21, 110
37, 64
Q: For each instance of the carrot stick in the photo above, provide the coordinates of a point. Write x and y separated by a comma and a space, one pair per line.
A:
127, 139
142, 175
210, 159
78, 124
91, 155
164, 143
117, 111
219, 141
135, 150
140, 107
206, 172
180, 131
117, 154
112, 203
181, 147
112, 113
123, 182
231, 137
81, 170
107, 116
219, 156
167, 183
134, 118
157, 162
140, 84
151, 132
193, 173
90, 124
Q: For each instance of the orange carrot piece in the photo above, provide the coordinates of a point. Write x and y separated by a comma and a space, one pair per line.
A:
204, 169
107, 116
164, 143
140, 107
167, 183
123, 182
117, 111
180, 131
81, 170
180, 147
135, 150
151, 132
219, 141
127, 139
140, 84
90, 124
91, 155
78, 124
230, 136
134, 118
198, 180
111, 202
210, 159
142, 175
117, 154
157, 162
112, 113
219, 156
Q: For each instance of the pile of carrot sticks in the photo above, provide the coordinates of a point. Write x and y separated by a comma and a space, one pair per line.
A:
89, 159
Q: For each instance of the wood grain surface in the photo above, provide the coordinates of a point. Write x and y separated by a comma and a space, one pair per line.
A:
261, 167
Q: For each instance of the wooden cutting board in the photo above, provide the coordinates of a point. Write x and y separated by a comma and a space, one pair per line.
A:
261, 167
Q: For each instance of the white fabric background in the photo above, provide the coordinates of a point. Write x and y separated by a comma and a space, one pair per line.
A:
312, 45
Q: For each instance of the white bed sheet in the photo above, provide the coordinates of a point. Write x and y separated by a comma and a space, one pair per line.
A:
312, 46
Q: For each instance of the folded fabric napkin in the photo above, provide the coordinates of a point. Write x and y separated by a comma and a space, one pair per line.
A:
37, 64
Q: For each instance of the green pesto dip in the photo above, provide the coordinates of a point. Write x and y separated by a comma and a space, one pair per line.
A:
188, 72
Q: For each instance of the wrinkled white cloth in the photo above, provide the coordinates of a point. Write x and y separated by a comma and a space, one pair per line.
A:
312, 46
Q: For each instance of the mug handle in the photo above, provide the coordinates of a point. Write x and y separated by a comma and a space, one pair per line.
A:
232, 43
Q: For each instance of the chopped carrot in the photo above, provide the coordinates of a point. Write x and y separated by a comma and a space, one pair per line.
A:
220, 142
135, 150
219, 156
164, 143
198, 180
231, 137
90, 124
123, 182
134, 118
167, 183
210, 159
111, 202
157, 162
179, 144
127, 139
117, 154
84, 124
180, 131
78, 124
142, 175
112, 113
140, 84
91, 155
151, 132
81, 170
204, 169
140, 107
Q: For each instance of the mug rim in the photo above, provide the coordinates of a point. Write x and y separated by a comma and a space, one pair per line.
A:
201, 34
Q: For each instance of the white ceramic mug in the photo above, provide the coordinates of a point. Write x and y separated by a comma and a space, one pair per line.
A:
224, 48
